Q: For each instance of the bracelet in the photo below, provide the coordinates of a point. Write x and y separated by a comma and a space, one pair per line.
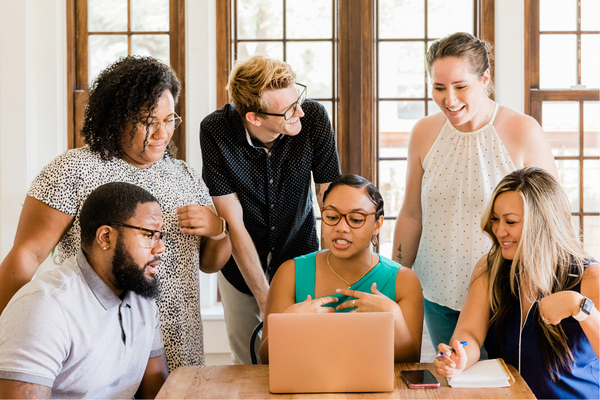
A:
223, 233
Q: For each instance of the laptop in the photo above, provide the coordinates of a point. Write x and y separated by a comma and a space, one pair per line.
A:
332, 352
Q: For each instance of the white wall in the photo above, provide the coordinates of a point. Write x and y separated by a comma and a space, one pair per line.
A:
33, 96
32, 100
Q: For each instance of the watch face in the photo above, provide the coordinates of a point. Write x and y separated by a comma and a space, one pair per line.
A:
586, 305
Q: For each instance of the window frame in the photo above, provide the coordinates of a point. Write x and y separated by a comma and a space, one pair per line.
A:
534, 96
355, 105
77, 66
355, 116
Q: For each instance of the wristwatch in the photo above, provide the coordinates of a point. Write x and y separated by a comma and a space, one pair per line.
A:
223, 233
585, 309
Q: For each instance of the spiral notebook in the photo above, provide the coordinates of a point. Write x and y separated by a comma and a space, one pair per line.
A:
333, 352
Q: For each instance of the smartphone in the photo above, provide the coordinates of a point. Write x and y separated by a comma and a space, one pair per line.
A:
420, 379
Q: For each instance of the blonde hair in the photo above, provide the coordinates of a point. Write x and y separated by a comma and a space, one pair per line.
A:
250, 78
549, 256
462, 45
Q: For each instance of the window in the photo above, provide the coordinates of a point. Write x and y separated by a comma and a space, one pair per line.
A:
101, 31
562, 84
377, 87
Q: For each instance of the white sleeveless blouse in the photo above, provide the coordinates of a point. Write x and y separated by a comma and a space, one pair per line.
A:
461, 170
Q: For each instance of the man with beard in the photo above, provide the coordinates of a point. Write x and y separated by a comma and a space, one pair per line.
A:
90, 328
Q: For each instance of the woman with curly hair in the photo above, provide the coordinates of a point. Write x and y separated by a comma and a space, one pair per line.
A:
534, 297
129, 123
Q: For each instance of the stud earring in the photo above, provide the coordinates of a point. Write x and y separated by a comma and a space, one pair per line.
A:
104, 248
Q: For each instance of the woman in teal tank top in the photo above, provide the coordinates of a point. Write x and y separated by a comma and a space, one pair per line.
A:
349, 277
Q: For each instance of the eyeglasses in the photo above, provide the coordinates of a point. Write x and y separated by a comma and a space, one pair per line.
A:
150, 240
170, 125
289, 113
354, 219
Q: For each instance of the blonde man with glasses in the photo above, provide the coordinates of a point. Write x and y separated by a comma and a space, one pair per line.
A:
258, 156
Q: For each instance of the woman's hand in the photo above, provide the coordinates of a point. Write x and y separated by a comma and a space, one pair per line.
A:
451, 363
368, 302
199, 220
560, 305
312, 305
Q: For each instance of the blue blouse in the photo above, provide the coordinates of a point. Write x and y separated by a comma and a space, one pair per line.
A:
523, 350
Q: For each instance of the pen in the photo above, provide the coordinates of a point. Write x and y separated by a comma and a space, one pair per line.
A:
450, 350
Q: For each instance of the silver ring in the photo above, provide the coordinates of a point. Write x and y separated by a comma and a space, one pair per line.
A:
354, 293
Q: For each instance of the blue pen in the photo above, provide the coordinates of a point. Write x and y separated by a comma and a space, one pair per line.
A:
450, 350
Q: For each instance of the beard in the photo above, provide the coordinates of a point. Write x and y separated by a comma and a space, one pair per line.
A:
130, 276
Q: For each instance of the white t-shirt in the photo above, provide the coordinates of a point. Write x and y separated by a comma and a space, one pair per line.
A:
69, 331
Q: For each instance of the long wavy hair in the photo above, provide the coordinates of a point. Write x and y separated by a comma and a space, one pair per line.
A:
127, 91
549, 257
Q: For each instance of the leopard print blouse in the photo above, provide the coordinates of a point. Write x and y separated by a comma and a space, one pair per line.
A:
65, 183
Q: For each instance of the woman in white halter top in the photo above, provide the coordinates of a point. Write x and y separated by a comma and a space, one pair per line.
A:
455, 160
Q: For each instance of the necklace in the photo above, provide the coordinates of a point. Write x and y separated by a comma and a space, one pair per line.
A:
138, 179
486, 117
345, 281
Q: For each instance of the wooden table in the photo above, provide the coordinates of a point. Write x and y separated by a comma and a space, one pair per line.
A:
252, 382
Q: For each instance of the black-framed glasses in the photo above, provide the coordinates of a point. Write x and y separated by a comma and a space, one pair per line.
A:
170, 125
151, 239
354, 219
289, 113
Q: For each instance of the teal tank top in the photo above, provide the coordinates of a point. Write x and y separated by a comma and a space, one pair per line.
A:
384, 273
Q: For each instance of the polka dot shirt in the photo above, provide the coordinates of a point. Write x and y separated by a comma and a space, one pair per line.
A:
273, 185
65, 183
461, 172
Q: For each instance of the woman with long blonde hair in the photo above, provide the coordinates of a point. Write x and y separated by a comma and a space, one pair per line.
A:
533, 298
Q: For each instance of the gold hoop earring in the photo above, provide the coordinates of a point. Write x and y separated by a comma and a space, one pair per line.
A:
374, 241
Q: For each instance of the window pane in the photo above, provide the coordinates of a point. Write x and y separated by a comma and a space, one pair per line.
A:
432, 108
568, 176
107, 15
249, 49
576, 225
558, 61
396, 120
445, 17
399, 19
590, 10
401, 70
313, 65
560, 121
558, 15
591, 185
590, 60
260, 19
329, 108
392, 180
150, 15
156, 46
309, 19
591, 129
386, 238
591, 235
104, 50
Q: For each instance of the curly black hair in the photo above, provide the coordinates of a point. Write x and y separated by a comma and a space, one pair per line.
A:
126, 91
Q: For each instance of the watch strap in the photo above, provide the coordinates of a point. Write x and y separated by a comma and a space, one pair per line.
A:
584, 309
223, 233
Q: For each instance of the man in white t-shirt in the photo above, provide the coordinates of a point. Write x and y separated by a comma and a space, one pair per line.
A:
90, 328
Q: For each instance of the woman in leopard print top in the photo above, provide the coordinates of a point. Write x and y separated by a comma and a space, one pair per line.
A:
129, 122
